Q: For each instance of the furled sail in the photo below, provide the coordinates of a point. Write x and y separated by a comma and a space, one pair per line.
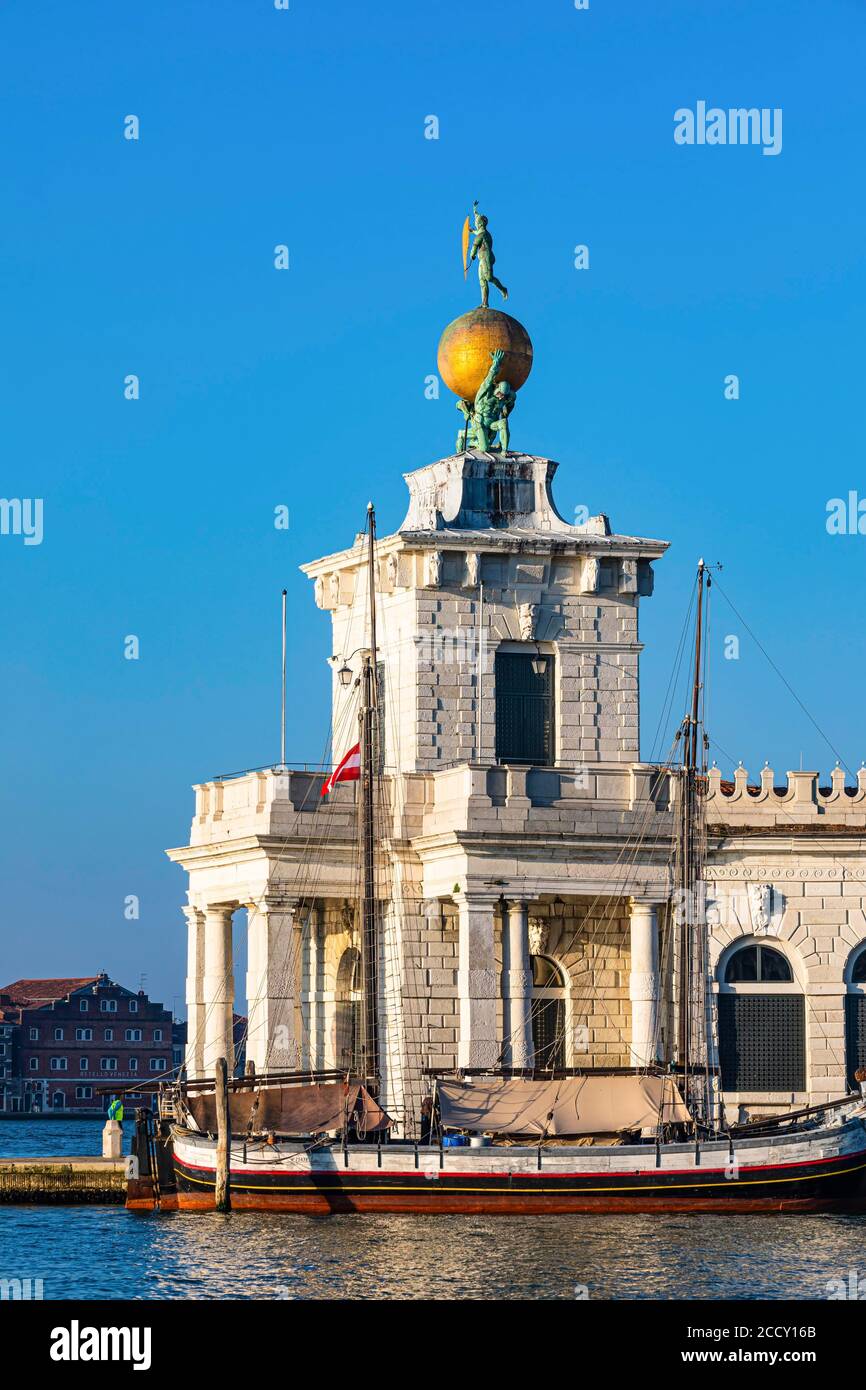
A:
308, 1109
562, 1109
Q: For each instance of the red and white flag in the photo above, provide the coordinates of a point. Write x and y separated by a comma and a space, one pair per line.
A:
349, 770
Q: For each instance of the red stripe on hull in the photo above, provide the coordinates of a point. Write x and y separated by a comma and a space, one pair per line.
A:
507, 1204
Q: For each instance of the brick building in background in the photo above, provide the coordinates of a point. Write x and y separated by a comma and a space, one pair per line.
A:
62, 1039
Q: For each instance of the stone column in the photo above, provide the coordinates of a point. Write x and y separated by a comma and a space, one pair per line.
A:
219, 988
195, 1006
644, 983
273, 969
518, 1050
478, 1045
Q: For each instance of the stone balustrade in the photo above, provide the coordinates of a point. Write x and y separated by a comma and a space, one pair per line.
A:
801, 800
274, 802
607, 796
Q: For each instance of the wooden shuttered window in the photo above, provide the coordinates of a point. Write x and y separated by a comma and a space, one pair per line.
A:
524, 710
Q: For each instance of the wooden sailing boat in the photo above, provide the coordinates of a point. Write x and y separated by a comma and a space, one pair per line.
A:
650, 1140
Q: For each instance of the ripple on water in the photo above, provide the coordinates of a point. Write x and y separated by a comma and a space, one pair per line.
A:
107, 1252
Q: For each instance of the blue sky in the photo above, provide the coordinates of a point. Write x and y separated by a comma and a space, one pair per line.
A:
306, 387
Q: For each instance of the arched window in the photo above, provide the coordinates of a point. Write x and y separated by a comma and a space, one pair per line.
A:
855, 1016
548, 1013
762, 1022
758, 965
348, 1011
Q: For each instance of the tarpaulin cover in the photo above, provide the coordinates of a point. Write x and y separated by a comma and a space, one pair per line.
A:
576, 1105
309, 1109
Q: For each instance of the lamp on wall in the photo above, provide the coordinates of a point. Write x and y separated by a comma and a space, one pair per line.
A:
539, 664
345, 673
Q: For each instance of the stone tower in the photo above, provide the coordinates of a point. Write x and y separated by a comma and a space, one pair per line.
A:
484, 528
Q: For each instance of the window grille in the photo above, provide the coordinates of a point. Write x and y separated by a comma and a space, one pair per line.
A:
855, 1035
762, 1042
548, 1033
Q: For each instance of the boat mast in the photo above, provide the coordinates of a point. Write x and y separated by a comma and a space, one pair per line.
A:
369, 719
283, 695
692, 928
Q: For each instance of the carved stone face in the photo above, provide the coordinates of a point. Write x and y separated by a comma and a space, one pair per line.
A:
761, 903
539, 936
527, 614
591, 575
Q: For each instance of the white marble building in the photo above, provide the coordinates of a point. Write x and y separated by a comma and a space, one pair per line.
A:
526, 852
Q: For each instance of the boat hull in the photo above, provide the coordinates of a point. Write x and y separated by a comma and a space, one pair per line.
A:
791, 1174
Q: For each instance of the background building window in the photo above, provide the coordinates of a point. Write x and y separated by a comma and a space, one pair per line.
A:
548, 1013
762, 1030
524, 708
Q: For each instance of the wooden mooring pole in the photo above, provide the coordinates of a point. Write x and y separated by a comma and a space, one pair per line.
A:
222, 1189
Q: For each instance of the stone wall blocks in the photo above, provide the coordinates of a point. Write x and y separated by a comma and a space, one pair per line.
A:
790, 928
440, 977
822, 889
850, 934
822, 973
820, 916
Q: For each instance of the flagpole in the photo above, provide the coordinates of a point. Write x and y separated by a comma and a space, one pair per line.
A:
283, 702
